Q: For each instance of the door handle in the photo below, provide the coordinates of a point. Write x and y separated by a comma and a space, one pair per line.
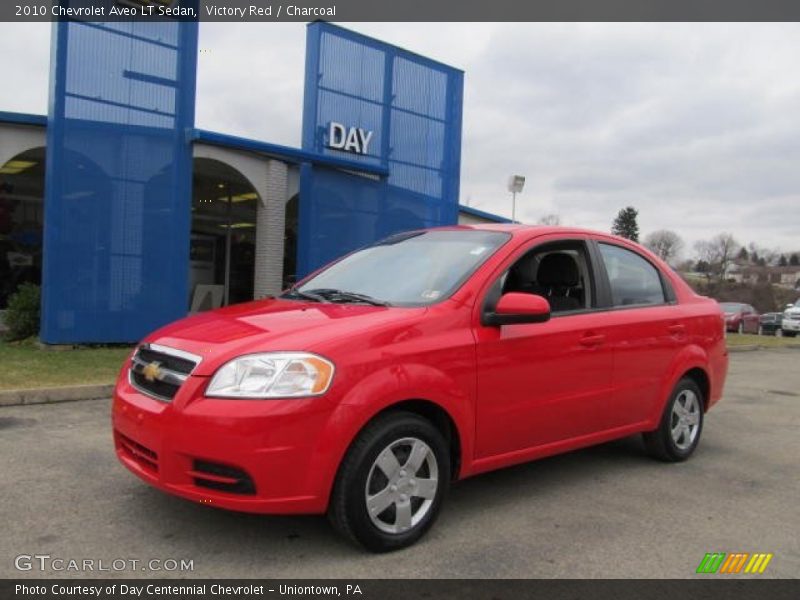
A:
592, 340
676, 329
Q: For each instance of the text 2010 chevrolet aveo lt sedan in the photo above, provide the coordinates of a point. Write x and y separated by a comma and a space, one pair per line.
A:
431, 356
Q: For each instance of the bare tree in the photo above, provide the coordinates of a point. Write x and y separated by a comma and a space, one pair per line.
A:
666, 244
551, 219
718, 252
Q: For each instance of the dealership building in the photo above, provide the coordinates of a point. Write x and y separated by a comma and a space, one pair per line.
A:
130, 217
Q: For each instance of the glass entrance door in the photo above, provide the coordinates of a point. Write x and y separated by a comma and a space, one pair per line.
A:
222, 250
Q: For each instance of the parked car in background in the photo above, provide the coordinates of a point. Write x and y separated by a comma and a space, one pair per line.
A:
739, 317
367, 388
791, 320
770, 324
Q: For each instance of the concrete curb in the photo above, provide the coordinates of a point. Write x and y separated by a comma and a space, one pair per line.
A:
55, 394
754, 347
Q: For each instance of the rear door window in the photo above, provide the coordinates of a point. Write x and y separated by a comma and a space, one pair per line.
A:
633, 280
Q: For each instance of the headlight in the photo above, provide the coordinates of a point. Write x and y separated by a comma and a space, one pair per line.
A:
272, 375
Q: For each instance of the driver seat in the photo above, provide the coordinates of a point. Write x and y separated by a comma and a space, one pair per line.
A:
558, 277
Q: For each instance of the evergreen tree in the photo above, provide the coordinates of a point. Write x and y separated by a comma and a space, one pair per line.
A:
625, 224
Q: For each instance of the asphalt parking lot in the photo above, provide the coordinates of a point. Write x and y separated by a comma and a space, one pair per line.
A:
608, 511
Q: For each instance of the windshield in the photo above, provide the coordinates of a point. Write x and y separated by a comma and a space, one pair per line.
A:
410, 269
730, 307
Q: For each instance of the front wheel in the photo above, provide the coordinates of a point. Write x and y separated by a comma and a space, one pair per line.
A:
391, 483
681, 424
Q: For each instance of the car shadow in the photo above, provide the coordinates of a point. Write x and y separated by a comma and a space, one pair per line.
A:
182, 524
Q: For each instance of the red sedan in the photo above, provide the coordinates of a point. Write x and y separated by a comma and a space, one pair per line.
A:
431, 356
741, 318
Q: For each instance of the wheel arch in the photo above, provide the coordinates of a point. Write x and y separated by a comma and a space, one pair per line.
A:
703, 381
691, 362
442, 401
439, 417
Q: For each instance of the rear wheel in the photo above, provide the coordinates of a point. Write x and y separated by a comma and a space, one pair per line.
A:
391, 483
681, 424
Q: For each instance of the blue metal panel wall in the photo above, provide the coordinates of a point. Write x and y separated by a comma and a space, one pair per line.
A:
118, 179
413, 107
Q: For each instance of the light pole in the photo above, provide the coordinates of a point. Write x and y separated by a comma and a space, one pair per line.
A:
515, 185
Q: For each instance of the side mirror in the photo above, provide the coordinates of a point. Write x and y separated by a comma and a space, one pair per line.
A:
515, 308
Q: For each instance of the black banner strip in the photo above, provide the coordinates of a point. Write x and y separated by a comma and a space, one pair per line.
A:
267, 11
711, 587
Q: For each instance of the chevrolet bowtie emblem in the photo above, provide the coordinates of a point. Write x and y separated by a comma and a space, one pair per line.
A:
152, 371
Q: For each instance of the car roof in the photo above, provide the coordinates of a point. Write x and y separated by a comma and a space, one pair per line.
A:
522, 230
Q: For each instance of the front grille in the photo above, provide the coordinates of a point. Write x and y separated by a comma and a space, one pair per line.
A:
141, 454
159, 371
159, 389
168, 361
223, 478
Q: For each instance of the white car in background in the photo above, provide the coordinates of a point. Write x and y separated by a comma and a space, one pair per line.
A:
791, 320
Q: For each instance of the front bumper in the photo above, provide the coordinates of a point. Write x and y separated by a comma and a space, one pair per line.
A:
272, 446
790, 324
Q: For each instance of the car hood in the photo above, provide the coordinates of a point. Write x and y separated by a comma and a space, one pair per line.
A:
275, 325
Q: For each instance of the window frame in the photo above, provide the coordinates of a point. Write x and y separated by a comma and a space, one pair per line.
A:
490, 294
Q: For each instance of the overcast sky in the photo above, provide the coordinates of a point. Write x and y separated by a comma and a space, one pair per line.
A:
696, 125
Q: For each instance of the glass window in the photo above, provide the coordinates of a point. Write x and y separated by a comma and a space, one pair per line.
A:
559, 273
633, 280
731, 308
410, 269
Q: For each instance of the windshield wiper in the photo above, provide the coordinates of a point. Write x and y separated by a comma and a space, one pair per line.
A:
304, 295
341, 295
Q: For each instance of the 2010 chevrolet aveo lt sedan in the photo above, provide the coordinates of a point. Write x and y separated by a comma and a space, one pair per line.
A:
428, 357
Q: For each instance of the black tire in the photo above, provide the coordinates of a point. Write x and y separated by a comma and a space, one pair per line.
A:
790, 333
661, 443
348, 511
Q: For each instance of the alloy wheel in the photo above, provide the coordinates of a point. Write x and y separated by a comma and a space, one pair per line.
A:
685, 419
402, 485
